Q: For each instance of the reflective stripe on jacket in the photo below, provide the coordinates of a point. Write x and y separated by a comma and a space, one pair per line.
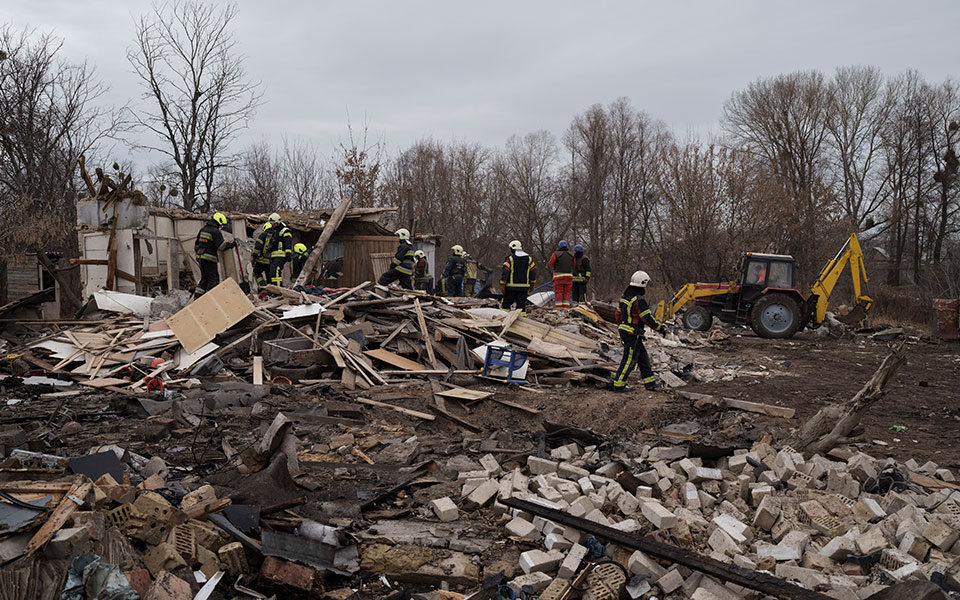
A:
581, 269
282, 244
562, 264
519, 271
209, 242
403, 259
633, 313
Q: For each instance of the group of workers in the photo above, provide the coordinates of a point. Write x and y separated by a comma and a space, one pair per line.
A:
272, 250
571, 272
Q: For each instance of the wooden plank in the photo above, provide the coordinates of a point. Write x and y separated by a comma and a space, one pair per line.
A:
433, 372
395, 359
59, 516
930, 482
257, 370
399, 409
329, 228
103, 382
459, 393
426, 334
214, 312
439, 406
754, 407
518, 406
396, 332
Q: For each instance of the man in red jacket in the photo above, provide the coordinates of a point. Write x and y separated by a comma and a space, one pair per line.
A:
562, 264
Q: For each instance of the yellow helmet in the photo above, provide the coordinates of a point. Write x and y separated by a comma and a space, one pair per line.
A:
300, 248
419, 254
458, 250
403, 234
266, 226
220, 218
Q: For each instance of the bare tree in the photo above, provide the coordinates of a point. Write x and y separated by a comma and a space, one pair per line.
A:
47, 119
256, 184
197, 90
358, 167
308, 182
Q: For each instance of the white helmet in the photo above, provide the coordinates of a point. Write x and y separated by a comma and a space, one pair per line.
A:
419, 254
275, 218
640, 279
402, 233
515, 245
458, 250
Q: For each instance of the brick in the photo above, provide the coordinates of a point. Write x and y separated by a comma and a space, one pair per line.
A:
67, 543
586, 486
776, 552
152, 504
537, 582
613, 491
533, 561
555, 541
208, 561
568, 490
660, 517
940, 534
810, 510
872, 540
465, 475
737, 463
597, 516
627, 526
828, 526
233, 558
650, 477
169, 587
893, 502
571, 562
523, 529
868, 509
139, 580
671, 581
704, 474
721, 541
691, 496
519, 481
557, 589
184, 540
287, 573
565, 452
549, 493
445, 509
541, 466
483, 495
808, 577
813, 560
737, 530
637, 590
839, 547
861, 467
93, 521
945, 475
757, 493
767, 512
489, 462
580, 506
641, 564
628, 503
118, 516
163, 557
915, 545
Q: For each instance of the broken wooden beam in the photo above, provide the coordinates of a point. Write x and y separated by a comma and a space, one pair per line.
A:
754, 407
399, 409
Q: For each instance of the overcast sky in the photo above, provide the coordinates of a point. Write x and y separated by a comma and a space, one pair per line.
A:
483, 70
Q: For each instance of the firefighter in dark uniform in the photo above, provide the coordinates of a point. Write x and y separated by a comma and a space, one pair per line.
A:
401, 268
299, 259
208, 245
453, 272
261, 261
280, 250
581, 275
517, 277
632, 314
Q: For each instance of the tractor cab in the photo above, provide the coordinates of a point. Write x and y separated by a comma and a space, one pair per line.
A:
762, 271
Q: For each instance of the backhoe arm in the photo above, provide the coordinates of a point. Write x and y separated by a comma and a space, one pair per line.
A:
688, 294
823, 287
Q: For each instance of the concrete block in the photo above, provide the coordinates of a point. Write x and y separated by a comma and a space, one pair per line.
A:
915, 545
523, 529
671, 581
660, 517
445, 509
586, 486
91, 520
641, 564
533, 561
571, 562
541, 466
565, 452
163, 557
644, 492
627, 526
483, 495
872, 540
580, 506
568, 490
721, 541
666, 453
945, 475
597, 516
627, 503
757, 493
67, 543
637, 590
555, 541
537, 582
705, 473
739, 531
168, 586
489, 462
839, 548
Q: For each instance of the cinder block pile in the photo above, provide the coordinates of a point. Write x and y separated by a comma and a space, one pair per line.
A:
820, 522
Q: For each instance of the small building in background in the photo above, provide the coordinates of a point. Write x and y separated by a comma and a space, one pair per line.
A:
28, 289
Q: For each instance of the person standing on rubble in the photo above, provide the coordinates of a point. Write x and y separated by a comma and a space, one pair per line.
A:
581, 275
517, 277
421, 272
633, 313
562, 263
208, 245
470, 275
453, 272
261, 261
401, 268
280, 250
299, 259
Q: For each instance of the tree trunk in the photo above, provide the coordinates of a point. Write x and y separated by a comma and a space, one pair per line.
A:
328, 230
832, 424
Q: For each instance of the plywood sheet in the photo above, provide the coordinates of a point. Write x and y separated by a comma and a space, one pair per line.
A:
214, 312
395, 359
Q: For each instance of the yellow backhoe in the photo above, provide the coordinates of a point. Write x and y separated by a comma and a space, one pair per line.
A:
765, 295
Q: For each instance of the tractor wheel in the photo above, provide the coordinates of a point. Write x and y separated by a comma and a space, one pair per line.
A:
697, 318
775, 316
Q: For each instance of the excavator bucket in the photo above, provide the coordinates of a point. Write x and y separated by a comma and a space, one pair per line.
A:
855, 316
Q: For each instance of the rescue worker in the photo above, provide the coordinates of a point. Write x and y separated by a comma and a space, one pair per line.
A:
632, 314
401, 268
208, 245
280, 250
261, 261
470, 274
581, 275
299, 259
517, 277
422, 279
453, 272
562, 264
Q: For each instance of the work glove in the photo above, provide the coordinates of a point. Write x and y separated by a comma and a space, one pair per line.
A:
230, 245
